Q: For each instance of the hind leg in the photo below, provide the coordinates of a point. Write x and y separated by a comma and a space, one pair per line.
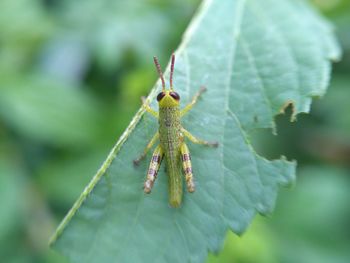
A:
187, 167
153, 169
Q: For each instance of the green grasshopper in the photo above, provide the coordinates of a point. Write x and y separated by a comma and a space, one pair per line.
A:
171, 136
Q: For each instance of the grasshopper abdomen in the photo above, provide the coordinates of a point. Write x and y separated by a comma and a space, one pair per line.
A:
170, 140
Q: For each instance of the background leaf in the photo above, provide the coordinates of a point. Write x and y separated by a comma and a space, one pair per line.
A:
319, 188
271, 58
27, 102
111, 40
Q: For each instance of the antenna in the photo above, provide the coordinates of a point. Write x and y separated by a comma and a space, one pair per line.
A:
172, 70
159, 72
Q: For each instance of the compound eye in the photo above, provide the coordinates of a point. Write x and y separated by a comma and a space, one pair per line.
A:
160, 96
175, 95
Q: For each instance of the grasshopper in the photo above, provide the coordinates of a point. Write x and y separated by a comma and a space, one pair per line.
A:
171, 136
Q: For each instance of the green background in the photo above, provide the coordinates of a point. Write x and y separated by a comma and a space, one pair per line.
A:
71, 75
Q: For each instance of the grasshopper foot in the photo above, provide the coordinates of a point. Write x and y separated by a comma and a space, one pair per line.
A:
202, 89
136, 162
147, 187
214, 144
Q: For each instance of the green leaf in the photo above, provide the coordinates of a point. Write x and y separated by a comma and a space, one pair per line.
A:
54, 175
255, 58
102, 26
323, 193
11, 189
47, 110
239, 248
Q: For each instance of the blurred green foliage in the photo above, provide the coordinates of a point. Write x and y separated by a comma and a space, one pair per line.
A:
71, 74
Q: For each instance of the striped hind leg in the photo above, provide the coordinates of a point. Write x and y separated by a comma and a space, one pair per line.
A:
187, 167
153, 169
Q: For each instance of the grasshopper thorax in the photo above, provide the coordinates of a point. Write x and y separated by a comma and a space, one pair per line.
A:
167, 98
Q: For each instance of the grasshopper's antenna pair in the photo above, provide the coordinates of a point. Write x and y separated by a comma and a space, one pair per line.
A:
161, 73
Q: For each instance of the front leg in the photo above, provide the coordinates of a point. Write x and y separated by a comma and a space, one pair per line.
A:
194, 100
198, 141
148, 108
